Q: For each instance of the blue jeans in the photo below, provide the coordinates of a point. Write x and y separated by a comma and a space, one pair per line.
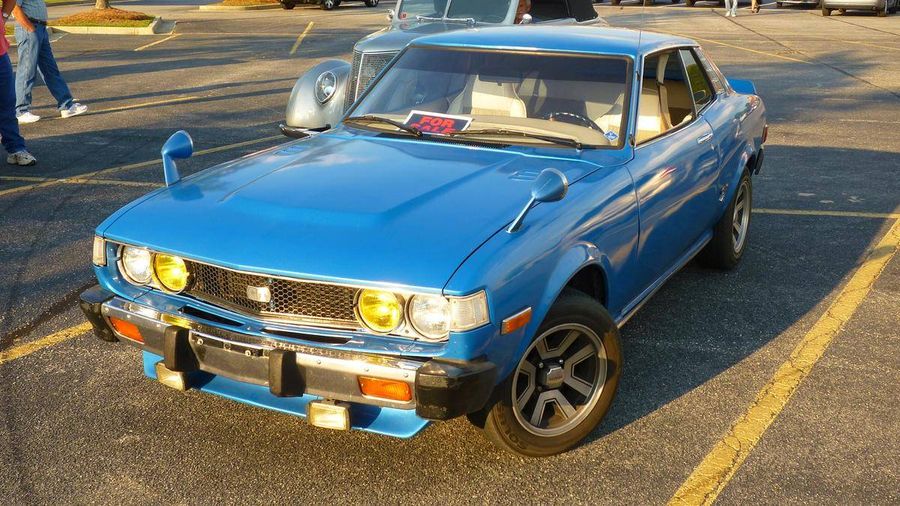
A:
9, 126
35, 56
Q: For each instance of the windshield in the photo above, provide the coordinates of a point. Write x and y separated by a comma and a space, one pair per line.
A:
577, 97
485, 11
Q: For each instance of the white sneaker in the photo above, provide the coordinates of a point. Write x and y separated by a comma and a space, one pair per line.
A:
74, 110
22, 158
27, 117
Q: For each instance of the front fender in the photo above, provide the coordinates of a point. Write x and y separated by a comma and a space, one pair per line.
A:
305, 111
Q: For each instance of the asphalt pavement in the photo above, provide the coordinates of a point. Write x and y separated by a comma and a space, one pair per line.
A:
79, 423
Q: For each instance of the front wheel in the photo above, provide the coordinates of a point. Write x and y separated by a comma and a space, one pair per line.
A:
371, 3
729, 239
329, 4
563, 385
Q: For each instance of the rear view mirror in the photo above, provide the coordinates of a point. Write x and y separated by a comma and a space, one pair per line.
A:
178, 147
551, 185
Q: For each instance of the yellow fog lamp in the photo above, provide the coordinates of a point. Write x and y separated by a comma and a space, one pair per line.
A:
379, 310
171, 272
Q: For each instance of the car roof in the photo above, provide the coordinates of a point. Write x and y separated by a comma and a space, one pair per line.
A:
577, 39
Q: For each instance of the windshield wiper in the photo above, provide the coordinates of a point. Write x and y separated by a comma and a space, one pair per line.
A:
564, 141
371, 118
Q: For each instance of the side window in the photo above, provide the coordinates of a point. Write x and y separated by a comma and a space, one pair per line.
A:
548, 10
701, 92
665, 102
715, 76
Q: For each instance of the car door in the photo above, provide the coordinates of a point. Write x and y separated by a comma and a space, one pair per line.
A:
674, 168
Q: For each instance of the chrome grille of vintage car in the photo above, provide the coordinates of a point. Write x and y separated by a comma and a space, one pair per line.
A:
364, 68
294, 300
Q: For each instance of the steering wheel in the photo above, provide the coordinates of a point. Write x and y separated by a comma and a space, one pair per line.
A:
575, 119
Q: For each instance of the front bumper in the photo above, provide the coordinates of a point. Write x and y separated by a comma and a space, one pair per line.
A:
274, 373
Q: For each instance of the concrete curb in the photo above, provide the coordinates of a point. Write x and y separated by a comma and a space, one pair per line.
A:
226, 8
156, 27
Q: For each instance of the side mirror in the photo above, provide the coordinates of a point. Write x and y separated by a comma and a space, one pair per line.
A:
551, 185
390, 15
178, 147
526, 19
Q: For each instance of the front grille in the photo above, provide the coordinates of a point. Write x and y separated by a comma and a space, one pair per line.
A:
364, 68
291, 299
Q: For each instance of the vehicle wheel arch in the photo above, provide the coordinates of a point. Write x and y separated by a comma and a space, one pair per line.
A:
732, 175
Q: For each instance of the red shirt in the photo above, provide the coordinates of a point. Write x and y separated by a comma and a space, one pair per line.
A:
4, 44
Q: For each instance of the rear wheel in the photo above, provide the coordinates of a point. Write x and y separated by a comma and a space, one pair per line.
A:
729, 240
371, 3
563, 385
329, 4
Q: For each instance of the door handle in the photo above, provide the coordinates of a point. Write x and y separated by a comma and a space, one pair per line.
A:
704, 138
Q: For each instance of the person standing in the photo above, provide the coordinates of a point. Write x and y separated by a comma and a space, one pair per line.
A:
35, 55
9, 127
730, 8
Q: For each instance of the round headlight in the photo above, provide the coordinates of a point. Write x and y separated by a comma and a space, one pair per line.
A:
171, 271
136, 265
430, 316
326, 83
380, 311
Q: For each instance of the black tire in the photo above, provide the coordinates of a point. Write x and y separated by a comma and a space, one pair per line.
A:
675, 1
329, 4
371, 3
287, 6
724, 250
778, 4
501, 424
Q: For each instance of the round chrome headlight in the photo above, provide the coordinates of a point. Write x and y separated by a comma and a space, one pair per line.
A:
136, 265
326, 84
171, 272
379, 310
430, 316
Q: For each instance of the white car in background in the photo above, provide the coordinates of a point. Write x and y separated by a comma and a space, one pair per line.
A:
880, 7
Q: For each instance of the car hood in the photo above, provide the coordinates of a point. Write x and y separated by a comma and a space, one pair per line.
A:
346, 208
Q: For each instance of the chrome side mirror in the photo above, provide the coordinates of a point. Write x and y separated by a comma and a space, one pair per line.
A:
178, 147
390, 15
551, 185
526, 19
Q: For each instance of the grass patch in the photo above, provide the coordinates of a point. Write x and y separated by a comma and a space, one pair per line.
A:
105, 17
244, 3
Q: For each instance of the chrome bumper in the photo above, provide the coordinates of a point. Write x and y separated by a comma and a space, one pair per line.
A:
324, 372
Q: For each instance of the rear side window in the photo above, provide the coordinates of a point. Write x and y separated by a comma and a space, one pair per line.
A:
715, 76
701, 92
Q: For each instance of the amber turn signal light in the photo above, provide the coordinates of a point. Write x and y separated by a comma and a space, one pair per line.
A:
516, 321
127, 329
385, 389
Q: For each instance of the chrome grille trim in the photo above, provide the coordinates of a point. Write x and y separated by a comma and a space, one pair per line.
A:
292, 300
363, 70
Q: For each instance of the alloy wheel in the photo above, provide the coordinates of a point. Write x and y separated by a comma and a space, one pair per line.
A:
559, 380
741, 218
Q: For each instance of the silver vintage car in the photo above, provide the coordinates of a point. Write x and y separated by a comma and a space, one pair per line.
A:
322, 94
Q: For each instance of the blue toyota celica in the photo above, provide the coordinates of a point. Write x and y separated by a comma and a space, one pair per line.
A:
467, 241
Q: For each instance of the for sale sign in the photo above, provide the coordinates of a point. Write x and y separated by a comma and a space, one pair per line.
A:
437, 123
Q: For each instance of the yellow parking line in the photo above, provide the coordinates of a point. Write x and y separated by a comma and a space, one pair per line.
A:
301, 37
87, 176
143, 104
145, 46
718, 467
838, 214
33, 346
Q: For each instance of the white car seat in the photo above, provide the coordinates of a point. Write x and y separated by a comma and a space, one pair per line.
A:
489, 99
